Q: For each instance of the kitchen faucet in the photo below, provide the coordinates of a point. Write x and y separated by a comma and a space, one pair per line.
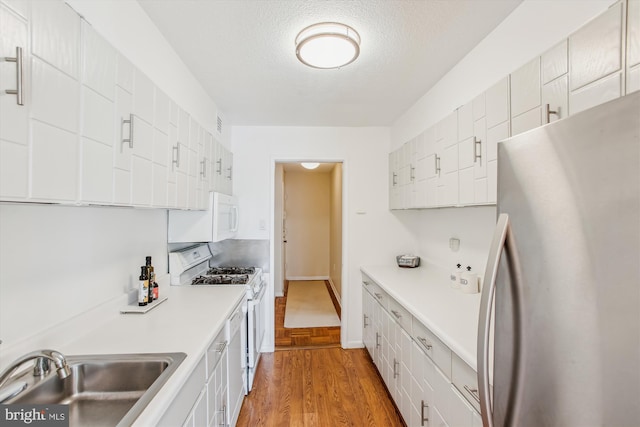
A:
41, 366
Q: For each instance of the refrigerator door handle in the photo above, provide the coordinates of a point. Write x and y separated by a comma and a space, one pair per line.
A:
502, 241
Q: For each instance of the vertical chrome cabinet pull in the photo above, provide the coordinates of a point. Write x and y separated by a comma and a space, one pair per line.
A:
365, 320
377, 340
230, 169
130, 122
548, 112
423, 419
477, 152
412, 175
379, 296
502, 241
395, 179
395, 372
19, 73
437, 165
203, 169
219, 168
176, 155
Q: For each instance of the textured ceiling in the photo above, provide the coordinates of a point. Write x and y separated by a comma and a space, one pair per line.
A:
243, 53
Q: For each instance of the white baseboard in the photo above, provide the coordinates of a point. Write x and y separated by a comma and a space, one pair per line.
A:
335, 292
353, 344
308, 278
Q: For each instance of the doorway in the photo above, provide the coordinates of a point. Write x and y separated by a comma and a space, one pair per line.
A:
307, 254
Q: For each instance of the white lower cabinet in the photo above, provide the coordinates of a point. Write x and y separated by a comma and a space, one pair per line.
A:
213, 394
430, 385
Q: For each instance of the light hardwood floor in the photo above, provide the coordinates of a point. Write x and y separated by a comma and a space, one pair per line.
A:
317, 388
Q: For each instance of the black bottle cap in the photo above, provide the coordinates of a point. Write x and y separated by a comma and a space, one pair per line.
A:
148, 259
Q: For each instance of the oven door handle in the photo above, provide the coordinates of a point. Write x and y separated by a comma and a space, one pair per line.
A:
257, 298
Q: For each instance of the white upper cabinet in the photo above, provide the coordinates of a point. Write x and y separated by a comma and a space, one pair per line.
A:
55, 89
98, 96
555, 89
595, 60
91, 128
497, 103
14, 149
633, 46
526, 97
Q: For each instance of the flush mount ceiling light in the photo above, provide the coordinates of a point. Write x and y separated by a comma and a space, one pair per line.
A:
310, 165
327, 45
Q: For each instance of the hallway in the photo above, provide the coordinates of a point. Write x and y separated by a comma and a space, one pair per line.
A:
286, 338
318, 387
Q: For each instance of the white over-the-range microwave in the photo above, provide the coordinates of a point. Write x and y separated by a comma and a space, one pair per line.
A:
218, 222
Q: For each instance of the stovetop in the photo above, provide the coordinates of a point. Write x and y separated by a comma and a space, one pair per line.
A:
221, 279
231, 270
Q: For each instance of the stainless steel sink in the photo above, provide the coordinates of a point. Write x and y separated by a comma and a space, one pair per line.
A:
104, 390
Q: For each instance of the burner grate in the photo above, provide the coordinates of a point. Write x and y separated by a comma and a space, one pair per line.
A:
221, 280
231, 270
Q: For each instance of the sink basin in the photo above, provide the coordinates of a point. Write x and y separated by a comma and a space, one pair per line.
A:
104, 390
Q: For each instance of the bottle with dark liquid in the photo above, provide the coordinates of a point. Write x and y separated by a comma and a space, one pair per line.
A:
143, 289
152, 278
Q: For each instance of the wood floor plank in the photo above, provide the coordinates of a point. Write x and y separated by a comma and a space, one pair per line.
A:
317, 388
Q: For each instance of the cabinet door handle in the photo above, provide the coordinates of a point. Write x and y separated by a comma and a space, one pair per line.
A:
130, 122
395, 313
176, 155
221, 347
477, 152
203, 168
379, 296
473, 392
548, 112
412, 176
425, 343
437, 165
19, 73
395, 363
423, 419
365, 320
395, 179
366, 283
377, 340
219, 168
230, 169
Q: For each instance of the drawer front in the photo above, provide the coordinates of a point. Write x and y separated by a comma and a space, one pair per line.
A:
435, 349
466, 381
400, 315
215, 350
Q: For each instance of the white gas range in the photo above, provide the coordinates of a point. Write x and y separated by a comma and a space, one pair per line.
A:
191, 267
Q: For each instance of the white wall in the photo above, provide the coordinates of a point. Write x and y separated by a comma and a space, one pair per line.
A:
130, 30
533, 27
57, 262
307, 207
371, 234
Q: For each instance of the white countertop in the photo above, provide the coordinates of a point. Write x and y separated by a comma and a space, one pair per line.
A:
425, 292
187, 322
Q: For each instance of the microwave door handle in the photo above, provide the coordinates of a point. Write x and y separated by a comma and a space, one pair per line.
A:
234, 218
503, 241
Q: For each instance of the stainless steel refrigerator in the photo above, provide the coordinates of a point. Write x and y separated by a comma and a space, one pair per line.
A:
564, 268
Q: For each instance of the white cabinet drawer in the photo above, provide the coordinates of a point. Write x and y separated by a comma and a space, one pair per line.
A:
374, 289
435, 349
215, 350
400, 314
465, 380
